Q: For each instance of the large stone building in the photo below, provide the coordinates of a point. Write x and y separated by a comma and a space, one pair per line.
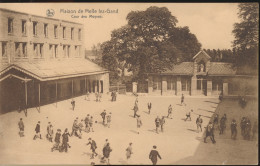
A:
202, 77
42, 61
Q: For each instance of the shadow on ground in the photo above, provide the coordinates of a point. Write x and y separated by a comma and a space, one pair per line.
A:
227, 151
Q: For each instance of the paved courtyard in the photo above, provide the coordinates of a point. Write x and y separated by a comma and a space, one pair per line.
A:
179, 144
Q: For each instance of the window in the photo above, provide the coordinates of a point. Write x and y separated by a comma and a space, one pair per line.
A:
34, 28
55, 31
4, 49
185, 84
41, 50
17, 50
217, 85
38, 50
68, 51
56, 51
51, 51
157, 85
72, 33
24, 30
10, 25
79, 34
24, 49
46, 30
64, 50
171, 83
64, 32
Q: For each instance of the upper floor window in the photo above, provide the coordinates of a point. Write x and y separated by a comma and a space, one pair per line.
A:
79, 34
72, 34
10, 25
64, 32
4, 49
38, 50
46, 30
24, 28
35, 28
21, 49
55, 31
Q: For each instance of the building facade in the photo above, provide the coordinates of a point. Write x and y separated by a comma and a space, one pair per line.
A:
202, 77
42, 61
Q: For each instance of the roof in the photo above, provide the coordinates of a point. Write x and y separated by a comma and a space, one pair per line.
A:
220, 68
57, 69
184, 68
202, 52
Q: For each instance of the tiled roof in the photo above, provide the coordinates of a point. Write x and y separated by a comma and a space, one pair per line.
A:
48, 70
220, 68
184, 68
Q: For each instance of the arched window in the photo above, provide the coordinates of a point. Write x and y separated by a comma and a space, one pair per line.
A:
201, 67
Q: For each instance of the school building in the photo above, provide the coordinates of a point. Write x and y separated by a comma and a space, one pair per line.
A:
202, 77
42, 61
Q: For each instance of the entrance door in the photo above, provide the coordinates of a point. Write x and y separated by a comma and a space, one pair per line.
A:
202, 86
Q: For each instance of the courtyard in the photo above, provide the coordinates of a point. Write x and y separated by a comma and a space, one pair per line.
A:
178, 144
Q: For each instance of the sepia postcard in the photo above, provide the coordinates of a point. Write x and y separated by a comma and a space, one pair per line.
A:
129, 83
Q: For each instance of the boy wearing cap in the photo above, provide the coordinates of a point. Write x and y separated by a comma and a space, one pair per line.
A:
37, 130
21, 127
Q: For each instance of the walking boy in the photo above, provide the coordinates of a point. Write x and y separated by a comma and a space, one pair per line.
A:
129, 151
157, 124
56, 140
169, 111
103, 115
21, 127
139, 123
199, 122
93, 147
108, 120
149, 107
162, 122
37, 130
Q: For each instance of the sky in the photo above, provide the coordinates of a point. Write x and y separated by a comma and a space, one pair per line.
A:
212, 23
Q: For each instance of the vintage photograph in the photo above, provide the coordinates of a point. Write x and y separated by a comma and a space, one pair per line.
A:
129, 83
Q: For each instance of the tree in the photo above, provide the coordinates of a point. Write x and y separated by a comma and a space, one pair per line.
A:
247, 34
150, 42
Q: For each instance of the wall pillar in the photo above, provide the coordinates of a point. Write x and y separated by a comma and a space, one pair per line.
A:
225, 89
150, 84
178, 88
209, 87
134, 87
193, 85
164, 85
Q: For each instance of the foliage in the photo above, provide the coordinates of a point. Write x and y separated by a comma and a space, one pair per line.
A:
149, 43
247, 34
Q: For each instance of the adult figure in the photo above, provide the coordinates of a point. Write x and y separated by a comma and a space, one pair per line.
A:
153, 155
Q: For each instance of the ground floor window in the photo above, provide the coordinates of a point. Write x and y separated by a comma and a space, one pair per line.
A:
157, 83
185, 84
171, 83
217, 85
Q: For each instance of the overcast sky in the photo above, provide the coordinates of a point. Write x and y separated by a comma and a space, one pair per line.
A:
212, 23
